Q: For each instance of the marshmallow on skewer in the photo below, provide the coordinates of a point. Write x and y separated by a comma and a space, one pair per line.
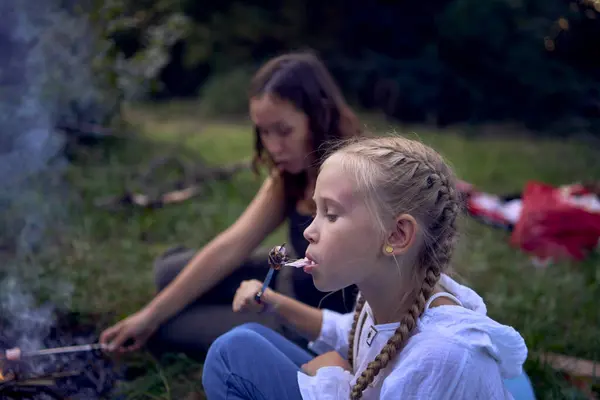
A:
278, 256
13, 354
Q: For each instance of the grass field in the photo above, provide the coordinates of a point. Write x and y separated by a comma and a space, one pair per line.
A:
109, 253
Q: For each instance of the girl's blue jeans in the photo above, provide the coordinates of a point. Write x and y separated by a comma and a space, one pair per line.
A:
254, 362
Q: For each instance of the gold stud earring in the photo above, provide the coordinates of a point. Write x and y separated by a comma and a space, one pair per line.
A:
389, 249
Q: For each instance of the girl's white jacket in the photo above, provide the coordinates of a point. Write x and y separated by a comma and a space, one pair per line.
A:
455, 353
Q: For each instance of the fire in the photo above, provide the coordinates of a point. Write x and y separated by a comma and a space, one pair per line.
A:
4, 377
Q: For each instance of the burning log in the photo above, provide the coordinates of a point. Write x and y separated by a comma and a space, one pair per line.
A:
13, 387
18, 391
61, 370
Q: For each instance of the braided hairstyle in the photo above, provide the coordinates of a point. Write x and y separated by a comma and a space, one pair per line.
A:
396, 176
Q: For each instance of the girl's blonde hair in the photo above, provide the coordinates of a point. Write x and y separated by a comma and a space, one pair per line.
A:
397, 176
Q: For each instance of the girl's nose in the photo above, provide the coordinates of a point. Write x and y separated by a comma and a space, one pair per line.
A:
310, 233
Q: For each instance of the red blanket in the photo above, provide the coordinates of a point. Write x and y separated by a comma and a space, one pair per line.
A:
557, 223
551, 223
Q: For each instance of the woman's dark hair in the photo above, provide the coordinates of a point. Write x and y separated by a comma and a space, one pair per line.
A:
302, 79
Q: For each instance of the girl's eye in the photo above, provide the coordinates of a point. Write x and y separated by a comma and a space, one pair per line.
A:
331, 217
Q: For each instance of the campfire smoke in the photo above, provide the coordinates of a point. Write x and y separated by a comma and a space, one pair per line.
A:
46, 80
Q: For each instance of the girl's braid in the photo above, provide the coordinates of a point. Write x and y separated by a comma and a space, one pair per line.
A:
435, 257
359, 306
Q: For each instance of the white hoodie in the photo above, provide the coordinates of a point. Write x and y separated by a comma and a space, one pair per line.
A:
455, 353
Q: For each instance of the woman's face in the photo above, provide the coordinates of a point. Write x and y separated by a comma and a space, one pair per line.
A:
284, 132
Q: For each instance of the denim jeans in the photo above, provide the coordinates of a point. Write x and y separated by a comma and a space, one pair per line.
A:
254, 362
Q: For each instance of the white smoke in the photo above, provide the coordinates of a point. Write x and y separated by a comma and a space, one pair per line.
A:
53, 71
45, 74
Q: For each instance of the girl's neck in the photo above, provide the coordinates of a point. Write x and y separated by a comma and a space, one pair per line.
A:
391, 308
388, 297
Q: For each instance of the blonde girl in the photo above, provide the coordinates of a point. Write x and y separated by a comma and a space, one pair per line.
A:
385, 222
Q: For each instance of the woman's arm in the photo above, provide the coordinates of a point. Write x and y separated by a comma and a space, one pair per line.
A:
306, 320
224, 253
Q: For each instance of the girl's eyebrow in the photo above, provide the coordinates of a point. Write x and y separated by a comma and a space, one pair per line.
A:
329, 200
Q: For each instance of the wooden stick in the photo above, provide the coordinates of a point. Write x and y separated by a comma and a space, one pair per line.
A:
36, 382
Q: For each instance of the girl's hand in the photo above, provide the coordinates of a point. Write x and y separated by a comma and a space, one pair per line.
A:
330, 359
244, 300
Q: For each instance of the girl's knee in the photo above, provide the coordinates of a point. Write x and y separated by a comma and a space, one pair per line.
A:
238, 340
231, 352
240, 334
253, 326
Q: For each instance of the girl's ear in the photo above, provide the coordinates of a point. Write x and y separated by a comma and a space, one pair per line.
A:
400, 239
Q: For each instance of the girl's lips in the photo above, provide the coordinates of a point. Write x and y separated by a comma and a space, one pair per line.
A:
305, 263
308, 268
311, 264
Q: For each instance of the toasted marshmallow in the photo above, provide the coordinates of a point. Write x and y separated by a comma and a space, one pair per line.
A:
303, 262
13, 354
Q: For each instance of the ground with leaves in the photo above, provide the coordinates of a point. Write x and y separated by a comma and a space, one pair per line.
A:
108, 255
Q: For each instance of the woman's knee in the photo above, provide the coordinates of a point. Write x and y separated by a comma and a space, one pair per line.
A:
168, 265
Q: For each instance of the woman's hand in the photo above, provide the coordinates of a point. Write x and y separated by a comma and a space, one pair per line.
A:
244, 299
129, 334
330, 359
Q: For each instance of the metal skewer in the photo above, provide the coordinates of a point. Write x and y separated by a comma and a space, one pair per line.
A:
67, 349
270, 276
61, 350
264, 286
277, 258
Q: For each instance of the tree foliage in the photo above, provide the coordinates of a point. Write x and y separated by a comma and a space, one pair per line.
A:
62, 70
456, 60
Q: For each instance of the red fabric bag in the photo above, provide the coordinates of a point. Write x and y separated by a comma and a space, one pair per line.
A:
557, 223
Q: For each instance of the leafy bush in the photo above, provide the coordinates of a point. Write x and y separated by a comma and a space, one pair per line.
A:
226, 93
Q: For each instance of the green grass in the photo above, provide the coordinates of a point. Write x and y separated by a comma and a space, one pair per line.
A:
108, 254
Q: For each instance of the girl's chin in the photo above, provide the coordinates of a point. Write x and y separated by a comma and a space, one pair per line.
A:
323, 286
